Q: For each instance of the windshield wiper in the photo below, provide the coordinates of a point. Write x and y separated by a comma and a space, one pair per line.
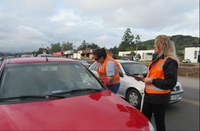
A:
79, 90
31, 96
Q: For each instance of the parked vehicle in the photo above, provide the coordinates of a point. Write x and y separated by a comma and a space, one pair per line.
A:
186, 61
133, 90
60, 94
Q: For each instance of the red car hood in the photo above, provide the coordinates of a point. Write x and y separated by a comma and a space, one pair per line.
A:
98, 111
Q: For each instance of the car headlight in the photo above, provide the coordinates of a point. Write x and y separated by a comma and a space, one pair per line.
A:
176, 88
151, 128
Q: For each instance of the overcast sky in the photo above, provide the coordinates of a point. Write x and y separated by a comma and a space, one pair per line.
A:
27, 25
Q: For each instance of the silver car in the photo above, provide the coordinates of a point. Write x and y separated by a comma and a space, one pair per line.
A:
133, 90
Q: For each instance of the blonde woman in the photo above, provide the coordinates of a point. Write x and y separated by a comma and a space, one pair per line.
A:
161, 78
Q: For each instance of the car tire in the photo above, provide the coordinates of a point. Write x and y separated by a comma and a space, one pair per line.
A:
134, 98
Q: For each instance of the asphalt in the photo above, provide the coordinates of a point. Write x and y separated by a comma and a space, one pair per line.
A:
189, 81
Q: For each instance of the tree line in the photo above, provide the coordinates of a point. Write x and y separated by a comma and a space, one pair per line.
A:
129, 42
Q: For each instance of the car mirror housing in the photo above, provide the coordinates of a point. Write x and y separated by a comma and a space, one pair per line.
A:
121, 74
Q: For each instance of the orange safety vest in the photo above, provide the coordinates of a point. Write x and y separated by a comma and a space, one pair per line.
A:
102, 71
156, 71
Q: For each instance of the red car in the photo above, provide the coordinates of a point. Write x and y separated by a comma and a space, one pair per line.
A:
60, 94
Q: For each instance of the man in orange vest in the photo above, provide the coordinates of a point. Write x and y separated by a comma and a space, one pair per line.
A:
108, 69
161, 78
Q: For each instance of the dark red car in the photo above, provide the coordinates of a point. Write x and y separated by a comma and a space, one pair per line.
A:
60, 94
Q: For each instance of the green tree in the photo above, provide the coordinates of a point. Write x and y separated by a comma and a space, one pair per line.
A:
86, 45
138, 56
83, 46
127, 41
132, 53
114, 50
137, 42
93, 46
56, 47
40, 51
180, 42
67, 46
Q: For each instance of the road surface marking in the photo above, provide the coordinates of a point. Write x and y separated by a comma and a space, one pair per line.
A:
190, 101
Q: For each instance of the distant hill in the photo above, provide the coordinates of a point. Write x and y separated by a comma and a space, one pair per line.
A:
185, 41
180, 41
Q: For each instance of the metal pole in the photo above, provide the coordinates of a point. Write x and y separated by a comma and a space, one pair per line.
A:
142, 102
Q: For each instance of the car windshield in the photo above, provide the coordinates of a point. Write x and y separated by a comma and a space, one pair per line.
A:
135, 68
43, 79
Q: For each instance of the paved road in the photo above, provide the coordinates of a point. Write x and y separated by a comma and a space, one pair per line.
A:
184, 115
191, 88
189, 82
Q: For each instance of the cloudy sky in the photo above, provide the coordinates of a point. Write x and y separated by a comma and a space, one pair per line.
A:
26, 25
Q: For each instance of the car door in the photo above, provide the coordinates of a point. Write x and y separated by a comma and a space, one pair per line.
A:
122, 87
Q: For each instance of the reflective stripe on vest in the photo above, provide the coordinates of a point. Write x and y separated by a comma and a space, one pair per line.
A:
156, 71
102, 71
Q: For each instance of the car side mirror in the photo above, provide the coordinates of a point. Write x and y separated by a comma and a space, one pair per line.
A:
121, 74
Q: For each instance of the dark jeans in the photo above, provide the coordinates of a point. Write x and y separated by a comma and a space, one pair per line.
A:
114, 88
159, 114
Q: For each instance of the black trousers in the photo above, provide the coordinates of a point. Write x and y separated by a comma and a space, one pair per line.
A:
158, 110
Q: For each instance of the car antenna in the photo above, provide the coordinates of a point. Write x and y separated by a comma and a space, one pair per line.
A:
47, 59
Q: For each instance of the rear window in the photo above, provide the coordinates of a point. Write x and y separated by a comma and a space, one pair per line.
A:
134, 68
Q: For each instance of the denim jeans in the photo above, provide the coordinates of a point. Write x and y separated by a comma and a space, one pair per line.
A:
114, 88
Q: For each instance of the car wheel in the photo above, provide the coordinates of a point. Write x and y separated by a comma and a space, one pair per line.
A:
134, 98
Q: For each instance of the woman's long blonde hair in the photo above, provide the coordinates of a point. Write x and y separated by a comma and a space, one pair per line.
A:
166, 46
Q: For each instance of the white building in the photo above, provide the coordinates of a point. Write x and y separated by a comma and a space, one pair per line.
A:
124, 53
192, 53
69, 53
77, 55
83, 54
145, 54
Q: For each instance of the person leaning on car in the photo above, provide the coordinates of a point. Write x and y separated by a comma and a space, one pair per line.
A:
108, 69
161, 78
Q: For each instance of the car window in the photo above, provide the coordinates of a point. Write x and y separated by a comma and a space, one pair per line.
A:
134, 68
45, 78
120, 72
94, 66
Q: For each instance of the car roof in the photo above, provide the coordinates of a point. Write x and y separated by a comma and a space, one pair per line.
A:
126, 61
35, 60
